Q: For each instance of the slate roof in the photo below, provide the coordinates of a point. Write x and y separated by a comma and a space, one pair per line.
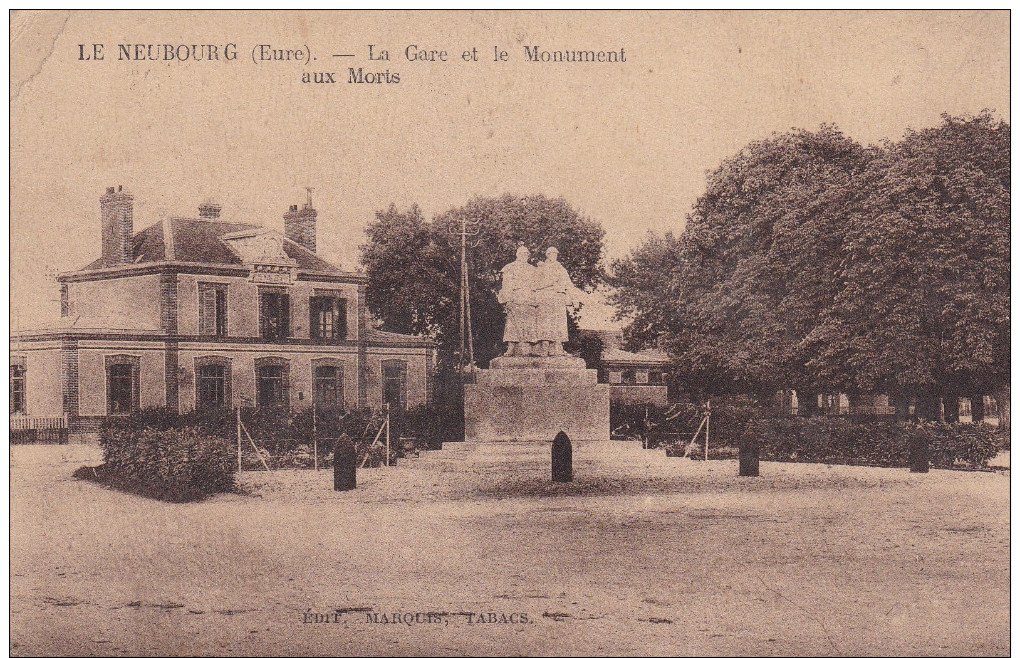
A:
198, 241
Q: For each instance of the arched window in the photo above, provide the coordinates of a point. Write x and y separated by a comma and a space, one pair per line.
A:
328, 382
212, 382
272, 382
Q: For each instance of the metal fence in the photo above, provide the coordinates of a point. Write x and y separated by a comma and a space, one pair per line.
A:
38, 429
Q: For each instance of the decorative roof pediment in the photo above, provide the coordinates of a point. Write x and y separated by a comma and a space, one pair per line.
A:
262, 250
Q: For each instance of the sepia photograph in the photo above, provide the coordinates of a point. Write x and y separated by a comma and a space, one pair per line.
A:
509, 333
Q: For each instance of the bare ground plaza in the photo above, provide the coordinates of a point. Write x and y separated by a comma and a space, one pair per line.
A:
450, 552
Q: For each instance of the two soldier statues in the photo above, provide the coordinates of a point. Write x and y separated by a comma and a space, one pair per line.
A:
536, 299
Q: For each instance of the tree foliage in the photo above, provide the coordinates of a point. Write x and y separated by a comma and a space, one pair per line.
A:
923, 304
413, 265
734, 296
814, 263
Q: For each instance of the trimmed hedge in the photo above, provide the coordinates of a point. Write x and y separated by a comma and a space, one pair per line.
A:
635, 422
285, 439
874, 442
176, 464
433, 424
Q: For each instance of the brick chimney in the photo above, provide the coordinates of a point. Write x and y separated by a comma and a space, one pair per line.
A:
117, 210
209, 210
299, 224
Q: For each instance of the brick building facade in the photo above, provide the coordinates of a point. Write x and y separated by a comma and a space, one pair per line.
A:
199, 312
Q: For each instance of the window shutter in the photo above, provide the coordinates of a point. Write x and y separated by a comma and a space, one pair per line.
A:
206, 310
340, 326
284, 316
135, 386
263, 316
340, 387
285, 374
221, 312
313, 318
403, 386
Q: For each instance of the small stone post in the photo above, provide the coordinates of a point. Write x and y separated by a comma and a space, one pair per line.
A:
562, 459
919, 454
749, 453
345, 464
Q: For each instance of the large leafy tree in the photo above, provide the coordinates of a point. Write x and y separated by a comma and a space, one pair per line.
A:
413, 265
734, 296
645, 286
813, 263
923, 305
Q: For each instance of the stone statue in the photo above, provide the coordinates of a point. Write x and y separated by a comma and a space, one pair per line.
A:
518, 297
553, 292
535, 391
536, 301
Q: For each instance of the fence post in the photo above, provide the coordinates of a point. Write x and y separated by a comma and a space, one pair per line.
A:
708, 422
345, 464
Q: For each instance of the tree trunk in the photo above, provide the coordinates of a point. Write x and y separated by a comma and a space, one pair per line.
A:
1002, 402
927, 407
977, 408
951, 407
807, 403
901, 401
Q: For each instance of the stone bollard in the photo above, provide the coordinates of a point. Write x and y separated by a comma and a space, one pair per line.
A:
562, 459
345, 464
749, 454
919, 454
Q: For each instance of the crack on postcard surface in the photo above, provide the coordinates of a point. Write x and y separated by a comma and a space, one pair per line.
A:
39, 68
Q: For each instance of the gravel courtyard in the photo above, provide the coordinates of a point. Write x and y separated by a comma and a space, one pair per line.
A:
641, 554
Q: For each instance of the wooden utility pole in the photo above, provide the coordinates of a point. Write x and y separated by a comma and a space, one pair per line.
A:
467, 228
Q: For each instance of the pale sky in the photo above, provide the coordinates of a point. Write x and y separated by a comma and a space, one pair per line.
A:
627, 144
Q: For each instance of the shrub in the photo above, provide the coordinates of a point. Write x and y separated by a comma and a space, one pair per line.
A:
285, 440
176, 464
873, 442
677, 423
219, 422
433, 424
376, 455
967, 444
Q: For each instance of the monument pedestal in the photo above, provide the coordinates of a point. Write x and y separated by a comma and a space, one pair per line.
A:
532, 398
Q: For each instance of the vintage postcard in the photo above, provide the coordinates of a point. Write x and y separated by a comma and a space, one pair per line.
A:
509, 333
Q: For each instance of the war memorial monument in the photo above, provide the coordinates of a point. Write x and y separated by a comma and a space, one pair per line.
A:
536, 390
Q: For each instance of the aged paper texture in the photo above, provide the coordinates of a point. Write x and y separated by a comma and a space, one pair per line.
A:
237, 236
